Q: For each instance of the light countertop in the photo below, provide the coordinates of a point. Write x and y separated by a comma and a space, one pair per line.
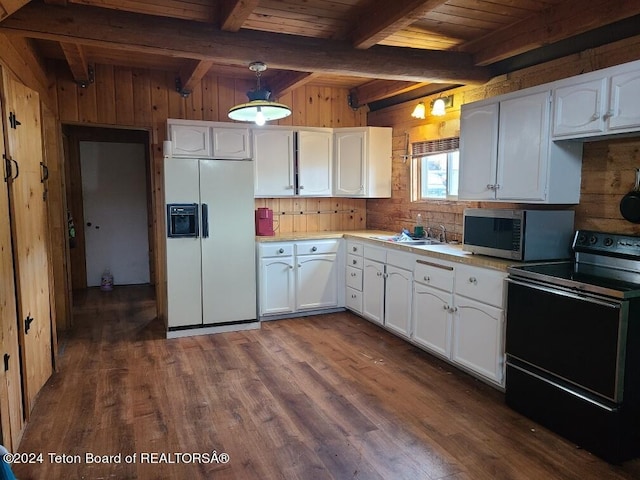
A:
443, 251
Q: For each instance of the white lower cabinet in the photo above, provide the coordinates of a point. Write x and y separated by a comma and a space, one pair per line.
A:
387, 288
277, 279
477, 338
458, 315
432, 306
300, 276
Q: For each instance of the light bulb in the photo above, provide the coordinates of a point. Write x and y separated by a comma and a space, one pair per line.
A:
438, 107
260, 117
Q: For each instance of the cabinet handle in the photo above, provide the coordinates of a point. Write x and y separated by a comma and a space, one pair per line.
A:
427, 279
473, 280
379, 274
607, 115
353, 295
355, 249
355, 262
353, 274
453, 309
301, 187
385, 275
490, 187
290, 267
446, 307
496, 186
314, 249
281, 250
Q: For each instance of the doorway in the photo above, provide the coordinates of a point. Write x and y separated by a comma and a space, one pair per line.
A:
109, 203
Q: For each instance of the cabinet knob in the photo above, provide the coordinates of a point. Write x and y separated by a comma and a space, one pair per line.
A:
301, 187
446, 307
281, 250
473, 280
353, 295
355, 249
355, 262
607, 115
379, 274
353, 274
427, 279
314, 249
290, 267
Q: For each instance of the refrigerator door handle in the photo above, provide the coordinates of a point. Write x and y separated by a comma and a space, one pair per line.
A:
205, 221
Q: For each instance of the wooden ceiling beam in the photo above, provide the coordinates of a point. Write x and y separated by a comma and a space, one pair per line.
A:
383, 18
189, 79
549, 26
380, 89
233, 13
285, 82
7, 7
179, 38
77, 63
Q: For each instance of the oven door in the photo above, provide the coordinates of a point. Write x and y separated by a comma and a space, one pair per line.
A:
572, 338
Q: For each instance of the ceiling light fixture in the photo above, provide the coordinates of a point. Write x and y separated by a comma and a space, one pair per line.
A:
439, 105
419, 111
259, 109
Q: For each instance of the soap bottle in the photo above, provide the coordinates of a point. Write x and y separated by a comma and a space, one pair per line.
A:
418, 230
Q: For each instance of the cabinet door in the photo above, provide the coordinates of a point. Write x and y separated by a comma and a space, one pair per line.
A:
579, 109
478, 342
191, 140
398, 293
273, 163
350, 163
373, 291
10, 378
478, 151
624, 102
231, 143
523, 142
315, 163
316, 281
29, 227
277, 286
432, 319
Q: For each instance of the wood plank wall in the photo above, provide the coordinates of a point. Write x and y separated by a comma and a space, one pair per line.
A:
142, 98
608, 170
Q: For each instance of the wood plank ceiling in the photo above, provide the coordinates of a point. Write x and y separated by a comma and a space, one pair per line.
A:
376, 48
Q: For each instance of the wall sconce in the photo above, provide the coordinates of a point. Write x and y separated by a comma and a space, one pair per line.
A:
419, 111
439, 105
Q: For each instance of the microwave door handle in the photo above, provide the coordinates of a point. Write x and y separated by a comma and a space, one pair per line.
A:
205, 220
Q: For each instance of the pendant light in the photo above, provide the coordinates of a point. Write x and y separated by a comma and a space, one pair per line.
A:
259, 109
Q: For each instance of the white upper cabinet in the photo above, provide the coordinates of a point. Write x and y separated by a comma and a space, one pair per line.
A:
506, 152
362, 162
580, 109
199, 139
273, 162
190, 140
315, 165
596, 104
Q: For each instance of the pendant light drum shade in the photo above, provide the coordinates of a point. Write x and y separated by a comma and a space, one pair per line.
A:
259, 109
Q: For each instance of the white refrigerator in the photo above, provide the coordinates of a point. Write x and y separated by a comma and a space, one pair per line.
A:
211, 277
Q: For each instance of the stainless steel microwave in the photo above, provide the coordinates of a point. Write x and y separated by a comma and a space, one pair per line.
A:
522, 235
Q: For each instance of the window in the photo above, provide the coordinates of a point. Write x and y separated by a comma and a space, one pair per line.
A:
434, 169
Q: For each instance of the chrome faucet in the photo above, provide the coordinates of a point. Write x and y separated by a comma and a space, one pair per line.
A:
443, 235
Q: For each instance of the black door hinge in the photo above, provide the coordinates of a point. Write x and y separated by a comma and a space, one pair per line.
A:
6, 362
13, 121
27, 323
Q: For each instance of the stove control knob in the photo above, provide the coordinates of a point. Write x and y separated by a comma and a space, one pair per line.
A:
609, 241
582, 238
593, 239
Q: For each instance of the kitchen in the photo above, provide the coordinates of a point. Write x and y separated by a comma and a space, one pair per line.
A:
151, 91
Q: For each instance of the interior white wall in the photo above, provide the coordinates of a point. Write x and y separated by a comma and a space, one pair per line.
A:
114, 191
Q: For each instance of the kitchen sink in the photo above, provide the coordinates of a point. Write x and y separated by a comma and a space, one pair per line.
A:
417, 241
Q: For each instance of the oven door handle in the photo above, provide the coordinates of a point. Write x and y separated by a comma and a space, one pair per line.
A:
564, 293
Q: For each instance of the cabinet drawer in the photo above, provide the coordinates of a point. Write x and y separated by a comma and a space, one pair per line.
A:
354, 261
354, 248
354, 300
354, 278
482, 284
434, 274
316, 247
275, 249
375, 253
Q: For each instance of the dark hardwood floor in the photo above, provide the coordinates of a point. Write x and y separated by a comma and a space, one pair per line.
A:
325, 397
